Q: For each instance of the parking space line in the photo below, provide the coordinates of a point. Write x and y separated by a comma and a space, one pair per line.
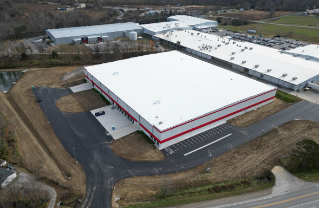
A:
207, 145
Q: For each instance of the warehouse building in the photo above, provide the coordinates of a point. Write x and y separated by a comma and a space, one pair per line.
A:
265, 63
308, 52
173, 96
92, 34
196, 23
163, 27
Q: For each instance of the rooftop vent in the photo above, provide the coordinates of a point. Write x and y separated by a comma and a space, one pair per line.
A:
243, 62
256, 66
268, 70
251, 48
115, 73
307, 58
284, 75
294, 78
232, 58
209, 50
234, 42
246, 47
242, 49
232, 53
295, 55
157, 102
219, 45
161, 122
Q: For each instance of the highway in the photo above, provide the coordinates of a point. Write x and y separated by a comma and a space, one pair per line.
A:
306, 197
82, 135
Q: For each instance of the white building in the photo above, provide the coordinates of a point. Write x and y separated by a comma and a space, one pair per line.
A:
162, 27
92, 34
172, 96
195, 22
79, 5
265, 63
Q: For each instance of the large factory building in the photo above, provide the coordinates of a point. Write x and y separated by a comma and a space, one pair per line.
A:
172, 96
268, 64
92, 34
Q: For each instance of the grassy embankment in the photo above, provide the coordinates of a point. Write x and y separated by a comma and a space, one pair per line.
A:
206, 192
9, 147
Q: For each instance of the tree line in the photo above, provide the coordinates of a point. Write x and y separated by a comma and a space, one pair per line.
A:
284, 5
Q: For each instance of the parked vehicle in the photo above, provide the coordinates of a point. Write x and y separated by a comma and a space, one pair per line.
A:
99, 113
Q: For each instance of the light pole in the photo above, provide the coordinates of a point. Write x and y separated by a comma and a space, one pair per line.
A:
209, 156
74, 155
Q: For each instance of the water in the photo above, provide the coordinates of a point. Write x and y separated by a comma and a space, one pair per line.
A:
7, 78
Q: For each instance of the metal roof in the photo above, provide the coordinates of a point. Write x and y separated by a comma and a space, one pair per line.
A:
165, 26
193, 21
93, 30
265, 57
174, 87
310, 51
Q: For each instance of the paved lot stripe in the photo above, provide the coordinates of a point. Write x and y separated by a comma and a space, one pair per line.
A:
206, 145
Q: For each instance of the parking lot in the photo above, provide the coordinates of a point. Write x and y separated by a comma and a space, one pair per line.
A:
277, 42
202, 137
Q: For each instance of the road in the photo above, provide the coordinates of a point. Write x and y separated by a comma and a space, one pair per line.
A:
306, 197
84, 138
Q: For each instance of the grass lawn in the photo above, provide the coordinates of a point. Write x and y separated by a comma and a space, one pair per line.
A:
286, 97
298, 20
308, 175
269, 30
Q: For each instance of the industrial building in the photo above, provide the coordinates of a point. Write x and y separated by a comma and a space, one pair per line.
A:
195, 22
173, 96
92, 34
162, 27
308, 52
265, 63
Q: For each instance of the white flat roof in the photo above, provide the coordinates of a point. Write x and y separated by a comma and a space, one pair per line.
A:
162, 26
193, 21
265, 57
311, 51
186, 87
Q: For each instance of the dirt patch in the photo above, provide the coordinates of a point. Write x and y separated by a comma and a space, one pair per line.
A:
80, 102
70, 83
135, 147
259, 114
38, 143
252, 159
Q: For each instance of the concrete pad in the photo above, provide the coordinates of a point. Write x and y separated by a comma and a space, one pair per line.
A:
114, 117
81, 87
285, 181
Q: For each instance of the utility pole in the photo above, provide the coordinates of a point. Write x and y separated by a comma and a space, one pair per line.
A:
209, 156
262, 136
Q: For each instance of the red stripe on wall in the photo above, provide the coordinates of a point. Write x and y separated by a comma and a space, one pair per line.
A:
213, 121
195, 128
212, 112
